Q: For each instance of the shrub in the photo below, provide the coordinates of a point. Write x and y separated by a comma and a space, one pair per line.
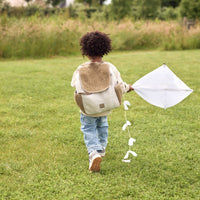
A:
45, 37
148, 9
120, 8
77, 10
168, 13
190, 9
127, 40
32, 10
4, 7
30, 39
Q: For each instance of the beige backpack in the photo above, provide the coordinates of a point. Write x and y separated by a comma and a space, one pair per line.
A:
97, 90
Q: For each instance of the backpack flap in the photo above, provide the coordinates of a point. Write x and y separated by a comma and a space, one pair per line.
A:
94, 77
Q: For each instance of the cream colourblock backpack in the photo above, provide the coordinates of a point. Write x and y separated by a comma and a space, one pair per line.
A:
97, 90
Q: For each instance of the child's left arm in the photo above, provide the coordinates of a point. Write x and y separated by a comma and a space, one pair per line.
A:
125, 87
130, 88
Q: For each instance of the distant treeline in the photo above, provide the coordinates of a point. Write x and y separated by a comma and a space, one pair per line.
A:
117, 10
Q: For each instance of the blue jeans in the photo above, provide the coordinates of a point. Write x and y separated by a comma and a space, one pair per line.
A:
95, 130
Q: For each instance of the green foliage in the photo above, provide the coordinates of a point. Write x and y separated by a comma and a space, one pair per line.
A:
98, 16
91, 2
102, 15
44, 37
126, 40
145, 9
78, 10
30, 10
190, 9
54, 2
28, 1
121, 8
118, 10
170, 3
168, 13
148, 9
36, 41
43, 155
5, 7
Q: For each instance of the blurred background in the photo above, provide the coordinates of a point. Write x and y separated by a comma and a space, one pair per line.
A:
44, 28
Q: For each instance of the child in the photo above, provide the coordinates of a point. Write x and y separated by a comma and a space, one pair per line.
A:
95, 45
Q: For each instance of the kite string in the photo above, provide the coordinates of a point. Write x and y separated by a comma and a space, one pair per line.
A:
125, 116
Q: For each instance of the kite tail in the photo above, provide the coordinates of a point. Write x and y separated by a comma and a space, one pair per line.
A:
126, 125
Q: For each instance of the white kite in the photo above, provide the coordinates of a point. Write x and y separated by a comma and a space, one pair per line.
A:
162, 88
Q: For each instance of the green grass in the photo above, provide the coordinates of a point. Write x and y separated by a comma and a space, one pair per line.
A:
42, 152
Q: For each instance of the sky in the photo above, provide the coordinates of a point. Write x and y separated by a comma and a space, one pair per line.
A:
107, 1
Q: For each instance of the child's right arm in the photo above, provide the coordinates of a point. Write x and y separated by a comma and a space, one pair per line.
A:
74, 79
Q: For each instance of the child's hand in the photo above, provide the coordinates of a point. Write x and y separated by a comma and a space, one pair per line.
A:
130, 88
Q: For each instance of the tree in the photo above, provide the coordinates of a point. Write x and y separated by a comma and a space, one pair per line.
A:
28, 1
190, 9
148, 9
91, 2
170, 3
121, 8
53, 2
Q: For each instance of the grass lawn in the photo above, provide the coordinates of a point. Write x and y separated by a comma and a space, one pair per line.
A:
42, 152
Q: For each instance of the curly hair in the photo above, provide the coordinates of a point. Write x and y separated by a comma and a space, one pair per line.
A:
95, 44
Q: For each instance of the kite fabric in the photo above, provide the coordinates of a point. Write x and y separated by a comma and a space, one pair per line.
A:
162, 88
